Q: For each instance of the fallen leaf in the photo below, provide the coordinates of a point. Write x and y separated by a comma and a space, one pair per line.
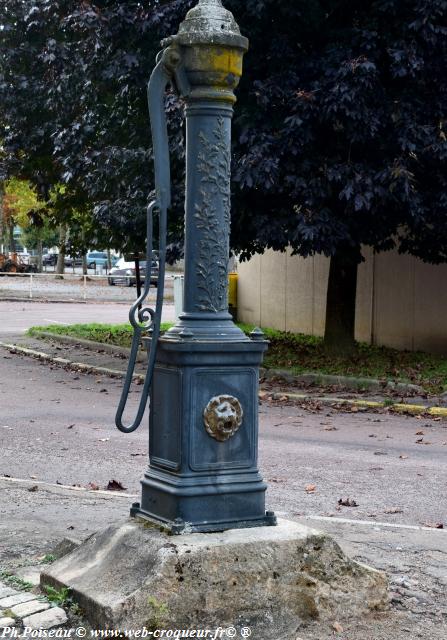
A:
330, 427
115, 485
70, 426
103, 439
393, 510
34, 488
93, 486
70, 528
337, 627
347, 502
434, 525
33, 477
402, 457
310, 488
419, 433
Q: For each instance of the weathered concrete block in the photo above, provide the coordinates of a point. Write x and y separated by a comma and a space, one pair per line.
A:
65, 546
30, 574
46, 619
271, 579
6, 591
18, 598
28, 608
7, 622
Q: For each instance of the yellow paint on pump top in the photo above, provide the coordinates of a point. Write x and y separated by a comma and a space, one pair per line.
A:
220, 59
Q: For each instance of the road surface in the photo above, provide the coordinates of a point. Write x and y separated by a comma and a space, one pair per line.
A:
17, 317
57, 430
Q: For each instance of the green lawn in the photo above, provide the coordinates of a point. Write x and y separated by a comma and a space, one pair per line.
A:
300, 353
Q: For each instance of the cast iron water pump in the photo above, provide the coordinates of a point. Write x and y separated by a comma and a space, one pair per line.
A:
203, 373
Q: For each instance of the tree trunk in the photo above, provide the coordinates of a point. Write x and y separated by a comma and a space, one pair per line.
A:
12, 242
60, 266
2, 222
340, 305
39, 255
84, 264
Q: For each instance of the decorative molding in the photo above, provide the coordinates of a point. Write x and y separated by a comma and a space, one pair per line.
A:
222, 417
214, 168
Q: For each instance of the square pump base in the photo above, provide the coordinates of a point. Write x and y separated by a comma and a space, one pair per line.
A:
268, 579
203, 438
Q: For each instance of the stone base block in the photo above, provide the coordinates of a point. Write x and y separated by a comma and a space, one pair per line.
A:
271, 579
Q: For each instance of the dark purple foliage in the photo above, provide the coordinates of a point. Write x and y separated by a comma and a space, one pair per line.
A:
339, 130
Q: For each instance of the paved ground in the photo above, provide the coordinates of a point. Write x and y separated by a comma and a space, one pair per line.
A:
57, 427
17, 317
72, 287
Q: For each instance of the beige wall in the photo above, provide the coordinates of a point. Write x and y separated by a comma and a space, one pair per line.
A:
401, 302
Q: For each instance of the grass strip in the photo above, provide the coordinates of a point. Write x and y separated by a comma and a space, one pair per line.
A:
299, 353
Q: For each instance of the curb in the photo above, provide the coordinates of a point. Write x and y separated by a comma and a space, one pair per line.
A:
89, 344
413, 409
45, 300
349, 382
398, 407
75, 366
316, 379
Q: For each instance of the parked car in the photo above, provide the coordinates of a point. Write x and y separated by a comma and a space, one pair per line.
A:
24, 256
124, 273
49, 259
99, 259
72, 261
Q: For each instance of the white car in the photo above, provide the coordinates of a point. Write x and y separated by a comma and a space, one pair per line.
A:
124, 273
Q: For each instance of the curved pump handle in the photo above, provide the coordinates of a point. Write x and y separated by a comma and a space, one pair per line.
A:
144, 319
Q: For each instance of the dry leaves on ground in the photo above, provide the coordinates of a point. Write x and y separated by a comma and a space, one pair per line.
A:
115, 485
347, 502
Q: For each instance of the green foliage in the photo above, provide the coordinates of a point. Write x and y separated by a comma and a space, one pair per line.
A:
45, 234
8, 613
16, 582
20, 198
48, 559
120, 335
301, 353
158, 614
60, 597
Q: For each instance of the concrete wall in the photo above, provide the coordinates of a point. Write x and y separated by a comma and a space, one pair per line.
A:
401, 302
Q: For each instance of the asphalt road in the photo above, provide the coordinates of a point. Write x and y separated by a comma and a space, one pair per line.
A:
57, 428
17, 317
56, 425
72, 287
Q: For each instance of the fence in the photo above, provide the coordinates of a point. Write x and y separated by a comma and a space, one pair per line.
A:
72, 286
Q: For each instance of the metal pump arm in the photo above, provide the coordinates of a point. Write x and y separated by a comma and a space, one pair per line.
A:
145, 319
